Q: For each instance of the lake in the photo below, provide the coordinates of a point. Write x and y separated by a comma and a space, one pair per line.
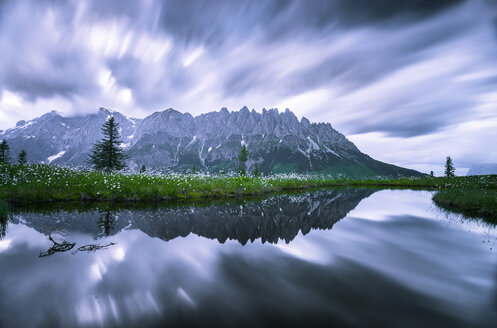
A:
345, 257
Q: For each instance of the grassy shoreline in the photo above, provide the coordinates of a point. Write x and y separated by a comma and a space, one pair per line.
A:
474, 203
39, 183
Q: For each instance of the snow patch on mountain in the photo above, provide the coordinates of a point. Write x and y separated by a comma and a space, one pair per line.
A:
50, 159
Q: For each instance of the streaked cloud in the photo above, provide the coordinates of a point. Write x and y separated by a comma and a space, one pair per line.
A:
407, 75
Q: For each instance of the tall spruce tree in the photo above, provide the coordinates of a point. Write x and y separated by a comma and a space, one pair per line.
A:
107, 154
449, 167
21, 158
4, 152
243, 157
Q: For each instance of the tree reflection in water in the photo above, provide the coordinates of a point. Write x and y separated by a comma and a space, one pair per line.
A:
106, 223
3, 226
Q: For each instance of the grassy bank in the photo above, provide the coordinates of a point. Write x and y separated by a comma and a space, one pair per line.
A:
38, 183
476, 203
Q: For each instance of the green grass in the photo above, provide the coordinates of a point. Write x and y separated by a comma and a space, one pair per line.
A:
475, 203
46, 183
40, 183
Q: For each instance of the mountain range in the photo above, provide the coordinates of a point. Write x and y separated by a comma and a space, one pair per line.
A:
170, 140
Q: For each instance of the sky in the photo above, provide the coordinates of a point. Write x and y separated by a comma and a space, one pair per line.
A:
409, 82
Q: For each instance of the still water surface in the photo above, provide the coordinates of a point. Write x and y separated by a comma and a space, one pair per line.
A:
355, 257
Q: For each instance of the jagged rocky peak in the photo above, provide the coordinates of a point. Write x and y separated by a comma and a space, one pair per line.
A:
51, 114
169, 121
244, 110
305, 122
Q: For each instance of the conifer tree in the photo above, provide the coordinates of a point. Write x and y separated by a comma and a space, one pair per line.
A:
432, 174
243, 157
256, 172
449, 167
107, 155
194, 169
4, 152
143, 169
21, 158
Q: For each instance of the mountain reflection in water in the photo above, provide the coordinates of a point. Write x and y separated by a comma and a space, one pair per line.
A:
394, 261
281, 217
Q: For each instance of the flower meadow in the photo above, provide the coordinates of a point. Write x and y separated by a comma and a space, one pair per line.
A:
47, 183
39, 183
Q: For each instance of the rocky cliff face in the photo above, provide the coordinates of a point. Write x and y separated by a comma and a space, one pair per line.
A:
170, 140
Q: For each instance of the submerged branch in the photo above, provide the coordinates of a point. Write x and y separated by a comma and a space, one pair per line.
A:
92, 248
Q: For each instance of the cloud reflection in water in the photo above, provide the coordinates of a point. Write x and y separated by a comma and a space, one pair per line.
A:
379, 266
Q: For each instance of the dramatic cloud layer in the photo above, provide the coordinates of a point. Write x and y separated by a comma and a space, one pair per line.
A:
409, 81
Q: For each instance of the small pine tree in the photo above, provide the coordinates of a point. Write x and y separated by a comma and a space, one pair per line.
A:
143, 169
243, 157
432, 174
21, 158
4, 152
449, 168
194, 169
256, 172
107, 155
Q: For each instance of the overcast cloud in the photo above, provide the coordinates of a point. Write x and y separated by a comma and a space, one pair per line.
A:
409, 82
